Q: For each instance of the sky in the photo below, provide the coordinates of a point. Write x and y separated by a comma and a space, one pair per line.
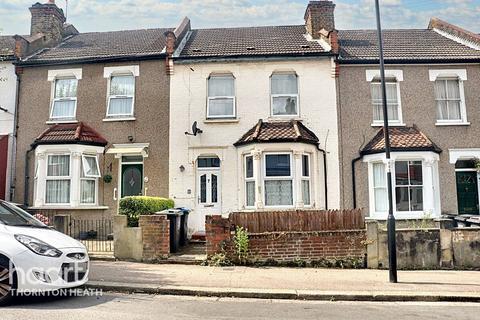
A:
106, 15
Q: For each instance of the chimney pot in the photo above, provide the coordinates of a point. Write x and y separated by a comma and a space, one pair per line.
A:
319, 15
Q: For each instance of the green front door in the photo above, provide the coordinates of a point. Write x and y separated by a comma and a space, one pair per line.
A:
132, 180
467, 192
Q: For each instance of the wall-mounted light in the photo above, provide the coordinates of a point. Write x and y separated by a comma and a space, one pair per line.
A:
130, 138
182, 168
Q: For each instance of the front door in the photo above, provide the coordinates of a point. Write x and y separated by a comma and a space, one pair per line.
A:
132, 180
467, 192
208, 194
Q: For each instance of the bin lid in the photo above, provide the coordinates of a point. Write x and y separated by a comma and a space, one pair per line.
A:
183, 209
176, 212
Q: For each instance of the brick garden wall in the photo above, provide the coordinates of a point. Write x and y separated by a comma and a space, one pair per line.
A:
156, 237
291, 245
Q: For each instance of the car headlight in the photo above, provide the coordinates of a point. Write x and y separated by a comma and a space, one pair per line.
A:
38, 246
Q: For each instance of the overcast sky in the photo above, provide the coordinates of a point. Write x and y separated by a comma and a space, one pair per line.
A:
104, 15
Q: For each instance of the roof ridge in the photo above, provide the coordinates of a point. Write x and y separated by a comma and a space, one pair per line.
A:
249, 27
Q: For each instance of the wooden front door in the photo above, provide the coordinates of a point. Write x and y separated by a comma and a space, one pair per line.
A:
467, 192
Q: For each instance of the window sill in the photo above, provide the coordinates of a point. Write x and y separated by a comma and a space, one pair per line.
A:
222, 120
61, 121
391, 124
444, 124
66, 207
285, 117
119, 119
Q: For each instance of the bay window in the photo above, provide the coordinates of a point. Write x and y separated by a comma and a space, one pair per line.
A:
380, 187
278, 180
66, 176
221, 96
64, 102
121, 96
284, 94
58, 179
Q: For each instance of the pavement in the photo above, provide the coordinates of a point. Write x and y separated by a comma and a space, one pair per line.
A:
121, 306
285, 283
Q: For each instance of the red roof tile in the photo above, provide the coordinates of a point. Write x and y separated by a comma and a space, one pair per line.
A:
76, 133
401, 139
278, 131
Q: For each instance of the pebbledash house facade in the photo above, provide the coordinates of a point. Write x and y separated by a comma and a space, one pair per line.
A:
433, 97
264, 99
93, 118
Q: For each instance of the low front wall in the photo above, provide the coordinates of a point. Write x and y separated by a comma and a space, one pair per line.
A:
286, 246
148, 242
430, 248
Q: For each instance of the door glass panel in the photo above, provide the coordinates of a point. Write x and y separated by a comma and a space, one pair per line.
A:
203, 188
214, 189
132, 180
208, 162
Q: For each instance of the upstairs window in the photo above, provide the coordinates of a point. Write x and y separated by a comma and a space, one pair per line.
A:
393, 104
221, 96
121, 95
64, 103
284, 94
447, 97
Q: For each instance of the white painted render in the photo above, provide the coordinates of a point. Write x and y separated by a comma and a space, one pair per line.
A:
8, 84
188, 103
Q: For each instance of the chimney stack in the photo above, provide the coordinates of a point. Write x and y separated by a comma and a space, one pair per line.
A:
319, 16
47, 19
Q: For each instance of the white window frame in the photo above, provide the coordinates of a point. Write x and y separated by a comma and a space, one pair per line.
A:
89, 177
84, 161
307, 178
408, 186
249, 179
110, 96
431, 185
378, 187
76, 153
54, 99
446, 74
277, 178
62, 178
371, 76
297, 96
210, 98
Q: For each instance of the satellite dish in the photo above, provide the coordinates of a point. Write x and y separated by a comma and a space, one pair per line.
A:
195, 130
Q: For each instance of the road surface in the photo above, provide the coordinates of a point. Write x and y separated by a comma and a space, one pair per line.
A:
138, 307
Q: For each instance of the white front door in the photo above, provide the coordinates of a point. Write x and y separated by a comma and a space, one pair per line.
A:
208, 193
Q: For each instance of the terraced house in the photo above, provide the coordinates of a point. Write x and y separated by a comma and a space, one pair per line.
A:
433, 81
93, 117
264, 99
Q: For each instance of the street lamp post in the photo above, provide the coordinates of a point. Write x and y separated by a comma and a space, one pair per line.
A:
392, 246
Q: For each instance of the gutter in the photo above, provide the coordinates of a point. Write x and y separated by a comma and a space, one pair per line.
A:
14, 143
409, 61
354, 180
325, 176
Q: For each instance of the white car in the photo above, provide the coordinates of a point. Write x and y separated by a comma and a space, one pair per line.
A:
35, 258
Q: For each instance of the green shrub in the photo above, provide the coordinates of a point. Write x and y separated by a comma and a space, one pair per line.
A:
241, 243
133, 207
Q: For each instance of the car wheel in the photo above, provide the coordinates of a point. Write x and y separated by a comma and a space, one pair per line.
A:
6, 282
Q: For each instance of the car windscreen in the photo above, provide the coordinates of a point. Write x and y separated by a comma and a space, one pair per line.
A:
12, 215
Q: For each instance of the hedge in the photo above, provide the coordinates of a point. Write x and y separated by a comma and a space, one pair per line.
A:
133, 207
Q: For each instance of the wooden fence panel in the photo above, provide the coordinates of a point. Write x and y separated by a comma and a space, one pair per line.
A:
299, 220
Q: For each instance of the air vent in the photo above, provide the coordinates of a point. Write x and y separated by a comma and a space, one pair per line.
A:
305, 46
196, 50
250, 48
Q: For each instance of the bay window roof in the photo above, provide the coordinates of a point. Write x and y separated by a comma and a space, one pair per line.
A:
71, 133
278, 131
401, 139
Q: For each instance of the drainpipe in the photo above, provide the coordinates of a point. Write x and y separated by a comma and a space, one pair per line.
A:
13, 167
325, 176
354, 188
27, 176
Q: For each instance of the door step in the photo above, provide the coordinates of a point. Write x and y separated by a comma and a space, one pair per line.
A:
194, 253
199, 236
